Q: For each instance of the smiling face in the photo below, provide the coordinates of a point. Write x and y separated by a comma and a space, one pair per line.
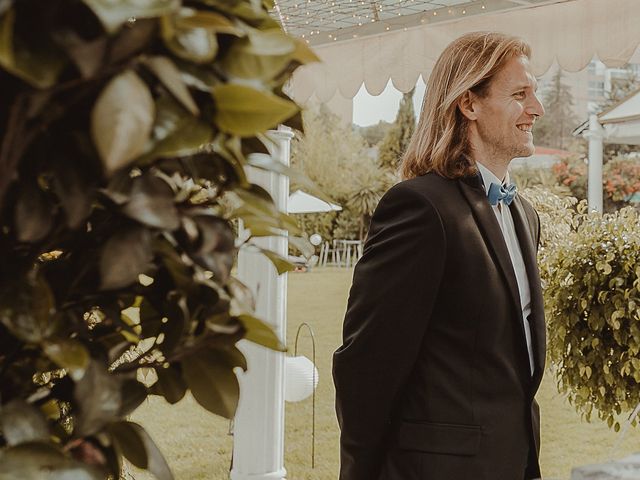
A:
502, 118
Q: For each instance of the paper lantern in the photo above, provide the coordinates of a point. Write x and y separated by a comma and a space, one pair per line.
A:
301, 378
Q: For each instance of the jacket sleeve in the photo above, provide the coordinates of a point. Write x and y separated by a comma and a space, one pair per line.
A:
394, 289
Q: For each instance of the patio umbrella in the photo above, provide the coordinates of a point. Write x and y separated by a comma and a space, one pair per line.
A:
302, 202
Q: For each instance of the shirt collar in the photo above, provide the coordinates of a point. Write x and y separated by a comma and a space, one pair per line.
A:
488, 177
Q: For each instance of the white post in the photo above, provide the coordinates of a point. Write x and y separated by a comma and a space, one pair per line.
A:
258, 443
595, 135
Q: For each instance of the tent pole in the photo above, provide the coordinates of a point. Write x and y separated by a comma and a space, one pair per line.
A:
258, 443
595, 135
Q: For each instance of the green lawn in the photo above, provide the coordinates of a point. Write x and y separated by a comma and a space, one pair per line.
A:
198, 446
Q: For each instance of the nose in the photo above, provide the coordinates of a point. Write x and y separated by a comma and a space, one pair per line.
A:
535, 106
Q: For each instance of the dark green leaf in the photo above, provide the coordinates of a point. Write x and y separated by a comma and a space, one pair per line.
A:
33, 218
303, 52
38, 63
239, 63
132, 40
114, 14
282, 264
169, 75
69, 354
170, 384
212, 382
267, 162
245, 111
176, 132
133, 394
151, 202
27, 309
87, 56
21, 422
195, 45
175, 264
268, 42
216, 250
121, 120
125, 255
208, 20
303, 245
150, 319
241, 294
42, 461
99, 398
137, 446
176, 325
75, 193
261, 333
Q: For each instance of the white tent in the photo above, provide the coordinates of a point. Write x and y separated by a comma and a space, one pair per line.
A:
302, 202
405, 45
618, 124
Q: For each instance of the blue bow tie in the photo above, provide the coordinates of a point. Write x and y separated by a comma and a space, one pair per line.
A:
504, 193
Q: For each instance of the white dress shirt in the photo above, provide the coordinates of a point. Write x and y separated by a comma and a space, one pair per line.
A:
505, 220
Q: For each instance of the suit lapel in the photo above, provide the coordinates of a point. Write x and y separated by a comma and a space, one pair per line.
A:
527, 245
485, 218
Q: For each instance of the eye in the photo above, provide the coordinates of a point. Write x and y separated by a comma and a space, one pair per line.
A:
520, 95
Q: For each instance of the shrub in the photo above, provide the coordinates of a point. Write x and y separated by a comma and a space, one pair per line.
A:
621, 177
116, 237
572, 172
592, 297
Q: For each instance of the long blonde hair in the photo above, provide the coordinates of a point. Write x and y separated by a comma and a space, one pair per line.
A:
439, 143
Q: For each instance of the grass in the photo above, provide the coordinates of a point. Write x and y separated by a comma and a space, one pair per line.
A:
197, 444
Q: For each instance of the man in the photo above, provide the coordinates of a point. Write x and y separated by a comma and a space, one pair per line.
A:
444, 336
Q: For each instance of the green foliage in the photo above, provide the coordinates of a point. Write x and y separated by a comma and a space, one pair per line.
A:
397, 138
621, 178
335, 157
572, 172
125, 129
590, 266
374, 134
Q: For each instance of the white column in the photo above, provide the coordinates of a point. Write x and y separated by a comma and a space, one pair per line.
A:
595, 135
258, 442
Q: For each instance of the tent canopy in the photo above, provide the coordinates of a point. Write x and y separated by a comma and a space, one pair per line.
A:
621, 122
569, 32
301, 202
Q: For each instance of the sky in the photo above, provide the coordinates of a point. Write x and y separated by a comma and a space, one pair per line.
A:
369, 110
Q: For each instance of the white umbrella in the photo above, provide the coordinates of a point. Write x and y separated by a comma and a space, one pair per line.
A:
301, 202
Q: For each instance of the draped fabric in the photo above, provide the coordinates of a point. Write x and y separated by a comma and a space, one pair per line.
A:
571, 33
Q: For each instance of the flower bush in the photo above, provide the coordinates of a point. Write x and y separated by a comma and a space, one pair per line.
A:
572, 172
621, 178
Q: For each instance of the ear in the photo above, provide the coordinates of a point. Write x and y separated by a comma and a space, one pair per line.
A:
467, 105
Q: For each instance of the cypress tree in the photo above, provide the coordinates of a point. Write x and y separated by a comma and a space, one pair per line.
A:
397, 137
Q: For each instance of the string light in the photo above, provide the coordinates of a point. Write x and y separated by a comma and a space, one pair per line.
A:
343, 18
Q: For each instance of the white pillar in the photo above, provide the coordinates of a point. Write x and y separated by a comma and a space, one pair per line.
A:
595, 135
258, 439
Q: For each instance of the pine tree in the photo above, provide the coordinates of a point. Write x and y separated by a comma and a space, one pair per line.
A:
555, 127
397, 137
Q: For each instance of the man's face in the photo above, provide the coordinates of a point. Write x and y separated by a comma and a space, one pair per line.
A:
506, 114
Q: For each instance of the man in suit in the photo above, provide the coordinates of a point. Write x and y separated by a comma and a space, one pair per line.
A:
444, 336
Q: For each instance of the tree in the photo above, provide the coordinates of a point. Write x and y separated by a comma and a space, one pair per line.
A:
369, 186
334, 156
554, 128
397, 138
374, 134
123, 144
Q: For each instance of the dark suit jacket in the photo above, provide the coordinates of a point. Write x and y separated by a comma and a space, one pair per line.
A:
433, 379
